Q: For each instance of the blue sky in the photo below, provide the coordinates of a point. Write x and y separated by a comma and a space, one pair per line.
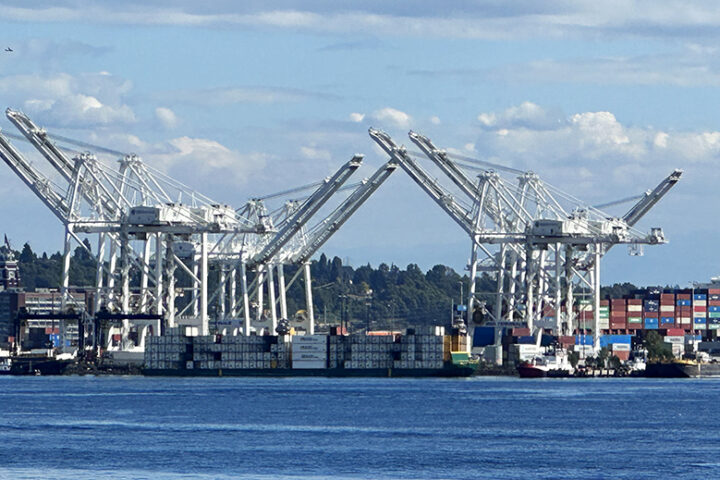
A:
602, 99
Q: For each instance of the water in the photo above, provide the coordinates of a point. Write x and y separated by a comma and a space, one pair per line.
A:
305, 428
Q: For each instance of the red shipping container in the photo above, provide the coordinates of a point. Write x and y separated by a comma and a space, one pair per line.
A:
675, 332
667, 296
618, 313
520, 332
48, 330
713, 291
634, 326
700, 309
634, 301
647, 314
604, 303
684, 296
624, 356
617, 324
714, 303
618, 301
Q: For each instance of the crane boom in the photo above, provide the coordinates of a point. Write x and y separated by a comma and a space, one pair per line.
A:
91, 189
333, 222
36, 181
422, 178
300, 217
649, 200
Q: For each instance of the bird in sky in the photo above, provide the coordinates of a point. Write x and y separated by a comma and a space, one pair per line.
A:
8, 49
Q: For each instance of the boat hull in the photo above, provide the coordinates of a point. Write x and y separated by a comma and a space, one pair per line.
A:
683, 370
455, 371
38, 366
531, 371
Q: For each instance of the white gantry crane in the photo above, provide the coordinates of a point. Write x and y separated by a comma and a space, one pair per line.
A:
542, 245
138, 214
152, 231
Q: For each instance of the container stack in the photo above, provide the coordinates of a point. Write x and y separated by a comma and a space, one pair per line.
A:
422, 347
238, 352
310, 351
651, 313
683, 311
699, 311
604, 316
618, 314
171, 351
584, 344
619, 345
339, 348
713, 320
675, 337
634, 314
667, 310
372, 351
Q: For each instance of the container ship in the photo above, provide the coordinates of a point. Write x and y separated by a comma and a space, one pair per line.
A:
420, 352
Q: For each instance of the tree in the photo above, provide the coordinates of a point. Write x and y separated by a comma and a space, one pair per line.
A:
574, 359
656, 347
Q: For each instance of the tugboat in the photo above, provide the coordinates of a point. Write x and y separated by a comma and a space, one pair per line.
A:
555, 365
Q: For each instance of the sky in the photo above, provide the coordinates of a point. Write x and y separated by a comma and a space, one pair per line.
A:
240, 99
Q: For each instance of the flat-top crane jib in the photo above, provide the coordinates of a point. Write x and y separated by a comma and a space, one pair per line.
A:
441, 196
648, 201
308, 209
331, 224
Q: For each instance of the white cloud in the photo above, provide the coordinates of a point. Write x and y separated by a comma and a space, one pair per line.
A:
70, 101
314, 153
194, 158
435, 120
393, 117
240, 95
357, 117
423, 19
525, 115
167, 117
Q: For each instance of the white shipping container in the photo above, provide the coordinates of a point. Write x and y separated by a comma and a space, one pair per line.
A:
309, 356
675, 339
620, 347
315, 364
306, 339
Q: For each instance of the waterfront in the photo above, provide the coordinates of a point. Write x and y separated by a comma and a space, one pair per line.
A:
308, 428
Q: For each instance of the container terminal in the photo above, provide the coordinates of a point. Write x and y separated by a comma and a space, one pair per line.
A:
185, 281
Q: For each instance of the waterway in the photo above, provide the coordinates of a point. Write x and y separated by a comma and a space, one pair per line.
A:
309, 428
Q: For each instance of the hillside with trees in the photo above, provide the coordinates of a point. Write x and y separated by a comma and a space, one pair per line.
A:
384, 297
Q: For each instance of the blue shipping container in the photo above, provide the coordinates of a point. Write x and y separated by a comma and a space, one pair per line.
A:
583, 339
683, 303
651, 323
607, 340
700, 319
700, 296
667, 319
483, 336
526, 340
714, 309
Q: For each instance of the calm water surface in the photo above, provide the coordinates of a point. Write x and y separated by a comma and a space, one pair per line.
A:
495, 428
